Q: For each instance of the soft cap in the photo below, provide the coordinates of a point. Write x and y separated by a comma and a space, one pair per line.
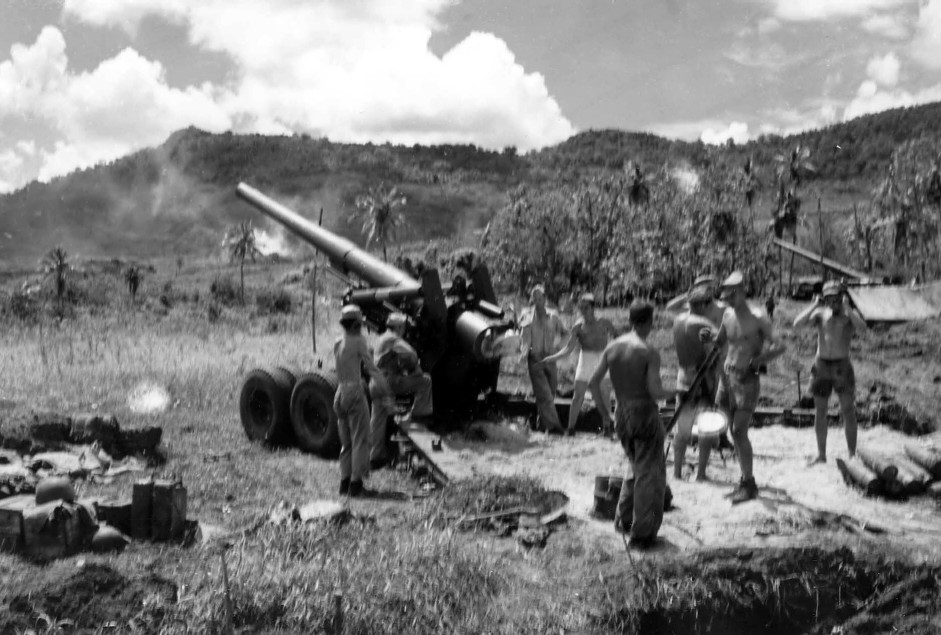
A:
351, 313
735, 279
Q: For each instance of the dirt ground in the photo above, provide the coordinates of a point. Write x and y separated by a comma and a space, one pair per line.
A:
797, 504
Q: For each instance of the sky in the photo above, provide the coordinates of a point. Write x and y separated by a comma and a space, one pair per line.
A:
87, 81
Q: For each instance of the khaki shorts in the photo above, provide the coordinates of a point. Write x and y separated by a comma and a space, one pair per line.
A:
738, 391
832, 375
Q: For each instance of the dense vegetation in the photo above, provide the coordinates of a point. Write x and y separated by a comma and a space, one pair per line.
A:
702, 209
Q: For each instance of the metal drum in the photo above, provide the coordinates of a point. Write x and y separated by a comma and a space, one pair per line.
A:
710, 424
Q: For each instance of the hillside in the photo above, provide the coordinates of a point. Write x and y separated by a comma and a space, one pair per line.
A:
177, 199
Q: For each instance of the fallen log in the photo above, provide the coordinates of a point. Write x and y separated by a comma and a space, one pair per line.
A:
880, 464
928, 458
912, 478
857, 474
920, 473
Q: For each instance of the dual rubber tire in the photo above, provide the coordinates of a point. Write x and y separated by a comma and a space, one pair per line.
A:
281, 408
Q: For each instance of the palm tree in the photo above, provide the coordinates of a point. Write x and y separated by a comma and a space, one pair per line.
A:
240, 241
56, 267
377, 208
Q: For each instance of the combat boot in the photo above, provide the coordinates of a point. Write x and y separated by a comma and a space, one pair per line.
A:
747, 490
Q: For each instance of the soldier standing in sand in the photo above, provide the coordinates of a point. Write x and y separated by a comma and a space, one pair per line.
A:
352, 356
691, 353
542, 329
591, 334
634, 365
751, 343
836, 321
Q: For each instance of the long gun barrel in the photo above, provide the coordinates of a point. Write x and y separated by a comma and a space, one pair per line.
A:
342, 253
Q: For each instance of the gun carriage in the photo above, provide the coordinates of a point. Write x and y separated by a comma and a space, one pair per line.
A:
458, 331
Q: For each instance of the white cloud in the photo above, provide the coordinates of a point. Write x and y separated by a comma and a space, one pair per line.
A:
10, 163
736, 131
26, 147
122, 105
926, 46
870, 99
823, 10
887, 25
357, 70
884, 70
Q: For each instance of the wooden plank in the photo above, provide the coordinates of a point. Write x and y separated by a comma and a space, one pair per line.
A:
893, 304
422, 440
832, 265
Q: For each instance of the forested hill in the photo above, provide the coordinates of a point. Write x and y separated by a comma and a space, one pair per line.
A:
179, 198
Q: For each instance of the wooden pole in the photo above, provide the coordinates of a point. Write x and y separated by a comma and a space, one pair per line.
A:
313, 307
823, 271
229, 627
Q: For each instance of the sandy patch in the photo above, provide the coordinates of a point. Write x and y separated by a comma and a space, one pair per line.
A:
796, 502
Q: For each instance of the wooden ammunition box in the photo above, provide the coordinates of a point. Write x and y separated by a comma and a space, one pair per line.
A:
169, 511
11, 521
142, 509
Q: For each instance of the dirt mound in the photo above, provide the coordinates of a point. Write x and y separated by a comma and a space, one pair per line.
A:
481, 496
95, 597
772, 591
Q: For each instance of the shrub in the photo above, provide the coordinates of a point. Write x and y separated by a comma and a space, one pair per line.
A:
24, 306
274, 301
224, 290
213, 312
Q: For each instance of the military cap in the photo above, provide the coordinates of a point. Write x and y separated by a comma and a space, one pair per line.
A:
832, 287
700, 293
351, 313
735, 279
587, 297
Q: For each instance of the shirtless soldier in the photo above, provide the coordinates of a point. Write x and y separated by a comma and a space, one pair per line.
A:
352, 356
691, 352
591, 334
634, 365
748, 334
836, 321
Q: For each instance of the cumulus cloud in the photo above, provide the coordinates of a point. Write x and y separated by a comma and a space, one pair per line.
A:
122, 105
926, 45
884, 70
887, 25
357, 71
822, 10
871, 99
736, 131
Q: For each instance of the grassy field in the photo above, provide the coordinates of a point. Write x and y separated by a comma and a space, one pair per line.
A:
399, 566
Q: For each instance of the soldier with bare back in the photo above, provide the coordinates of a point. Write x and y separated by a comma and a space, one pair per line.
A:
634, 365
836, 321
751, 344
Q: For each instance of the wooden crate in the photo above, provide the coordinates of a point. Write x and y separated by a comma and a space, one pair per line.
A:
11, 521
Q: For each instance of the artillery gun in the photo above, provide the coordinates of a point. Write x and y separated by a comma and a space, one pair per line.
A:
459, 333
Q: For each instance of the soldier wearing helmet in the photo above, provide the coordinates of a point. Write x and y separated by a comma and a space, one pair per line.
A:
352, 356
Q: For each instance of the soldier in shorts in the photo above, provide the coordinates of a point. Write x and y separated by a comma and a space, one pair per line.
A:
836, 321
751, 344
591, 334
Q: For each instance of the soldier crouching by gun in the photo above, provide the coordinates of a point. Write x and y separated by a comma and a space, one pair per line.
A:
398, 362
